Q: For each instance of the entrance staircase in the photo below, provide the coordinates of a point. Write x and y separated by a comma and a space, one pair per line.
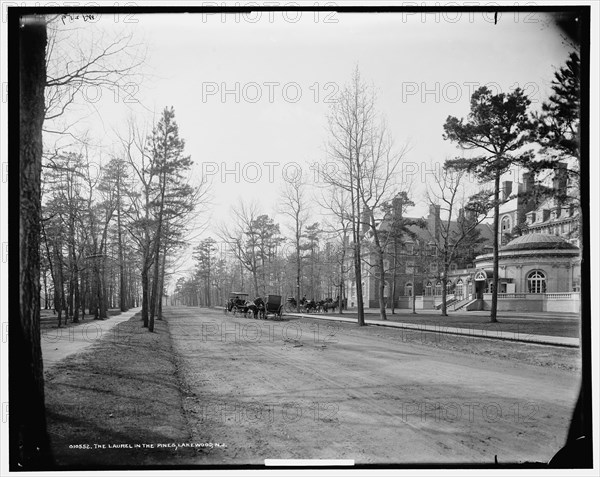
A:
463, 303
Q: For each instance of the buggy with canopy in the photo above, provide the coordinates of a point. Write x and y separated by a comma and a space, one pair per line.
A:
237, 303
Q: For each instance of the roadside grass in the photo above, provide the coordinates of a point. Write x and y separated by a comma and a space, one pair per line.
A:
123, 390
548, 326
49, 320
515, 351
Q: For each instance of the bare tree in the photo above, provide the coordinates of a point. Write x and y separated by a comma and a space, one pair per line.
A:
380, 183
243, 239
337, 202
294, 205
83, 63
138, 212
461, 217
363, 162
351, 121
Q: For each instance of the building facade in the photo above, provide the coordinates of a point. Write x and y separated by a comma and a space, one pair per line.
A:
539, 261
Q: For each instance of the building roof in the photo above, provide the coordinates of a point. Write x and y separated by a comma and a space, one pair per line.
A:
426, 234
538, 242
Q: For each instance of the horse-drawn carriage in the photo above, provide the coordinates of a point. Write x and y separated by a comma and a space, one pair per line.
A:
321, 306
259, 307
237, 303
273, 306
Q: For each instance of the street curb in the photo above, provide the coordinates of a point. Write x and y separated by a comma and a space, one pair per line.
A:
497, 335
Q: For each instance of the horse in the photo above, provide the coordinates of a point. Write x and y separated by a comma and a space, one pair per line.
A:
329, 305
308, 305
257, 307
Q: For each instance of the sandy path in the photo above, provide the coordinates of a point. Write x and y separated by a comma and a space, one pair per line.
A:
58, 343
305, 390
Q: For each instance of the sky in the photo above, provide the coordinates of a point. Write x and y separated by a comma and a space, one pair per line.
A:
251, 93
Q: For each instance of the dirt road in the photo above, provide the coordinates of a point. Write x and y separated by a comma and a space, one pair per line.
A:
301, 389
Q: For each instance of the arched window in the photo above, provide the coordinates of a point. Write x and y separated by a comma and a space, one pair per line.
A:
458, 290
505, 224
536, 282
438, 288
408, 289
428, 289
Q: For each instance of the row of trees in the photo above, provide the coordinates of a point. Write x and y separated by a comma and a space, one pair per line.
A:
504, 133
67, 238
499, 128
368, 200
252, 254
107, 230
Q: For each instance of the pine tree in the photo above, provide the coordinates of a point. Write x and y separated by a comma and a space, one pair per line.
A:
497, 126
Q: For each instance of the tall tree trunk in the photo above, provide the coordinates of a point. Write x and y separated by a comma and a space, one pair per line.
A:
493, 312
76, 297
122, 283
380, 264
445, 281
145, 288
44, 278
444, 293
358, 277
101, 305
298, 267
29, 443
255, 277
82, 285
161, 284
394, 277
342, 261
356, 231
154, 291
69, 307
414, 286
58, 284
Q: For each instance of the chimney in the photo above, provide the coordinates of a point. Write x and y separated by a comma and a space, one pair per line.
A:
397, 205
434, 220
528, 181
506, 189
365, 219
559, 182
527, 202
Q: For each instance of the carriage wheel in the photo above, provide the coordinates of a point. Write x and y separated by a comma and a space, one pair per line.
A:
279, 312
